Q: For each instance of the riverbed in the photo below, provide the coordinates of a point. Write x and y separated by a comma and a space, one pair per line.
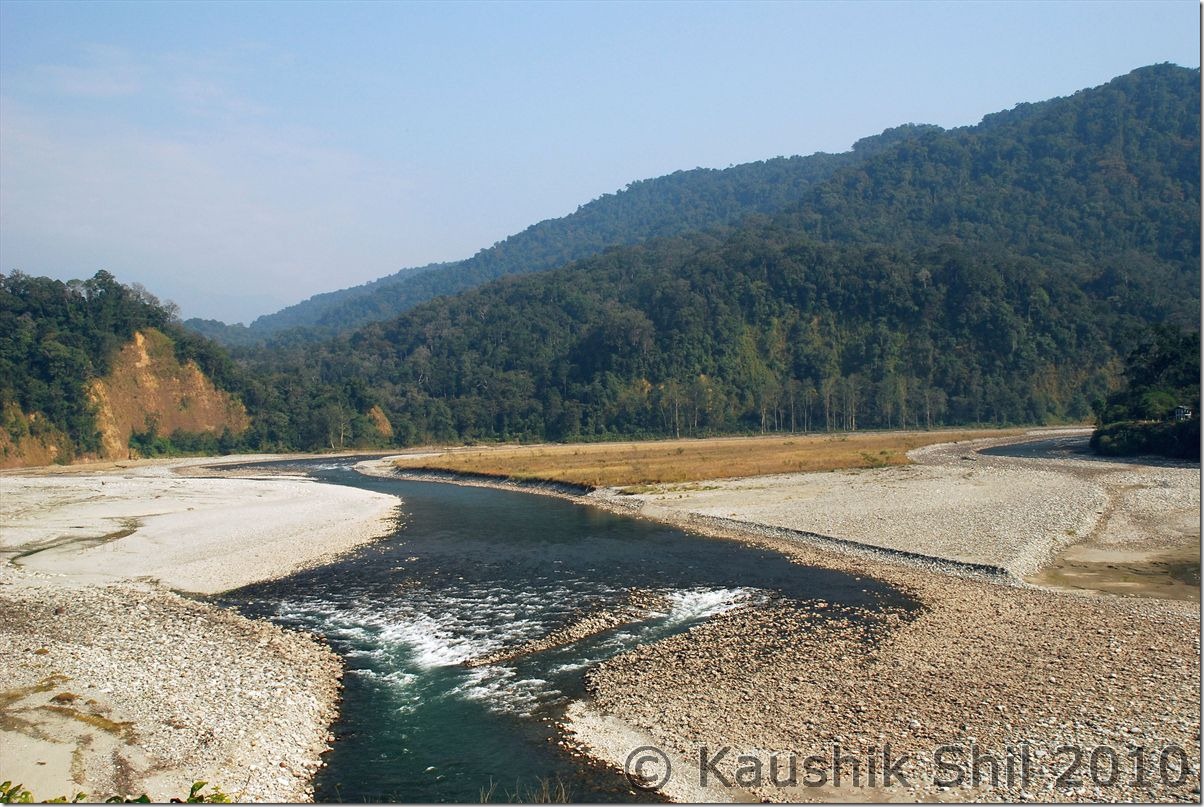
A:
764, 637
472, 571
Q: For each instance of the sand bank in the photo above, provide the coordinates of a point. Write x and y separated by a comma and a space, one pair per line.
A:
956, 503
115, 684
199, 535
977, 665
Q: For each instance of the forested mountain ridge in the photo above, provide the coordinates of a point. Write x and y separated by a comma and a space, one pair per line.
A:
993, 274
1107, 171
912, 184
681, 202
997, 274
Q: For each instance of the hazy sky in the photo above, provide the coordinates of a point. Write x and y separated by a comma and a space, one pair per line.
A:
237, 157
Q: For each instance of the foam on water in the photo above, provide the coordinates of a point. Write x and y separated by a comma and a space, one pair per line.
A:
700, 603
399, 644
501, 689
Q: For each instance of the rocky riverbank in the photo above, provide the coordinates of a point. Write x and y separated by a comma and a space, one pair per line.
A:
978, 665
116, 685
989, 667
126, 689
956, 503
1063, 694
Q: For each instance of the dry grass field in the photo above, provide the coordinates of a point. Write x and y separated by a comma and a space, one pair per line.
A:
667, 461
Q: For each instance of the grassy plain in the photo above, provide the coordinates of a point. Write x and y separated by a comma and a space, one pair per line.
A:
693, 460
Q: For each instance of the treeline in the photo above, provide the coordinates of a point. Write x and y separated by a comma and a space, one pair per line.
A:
995, 274
1101, 172
1108, 172
762, 331
1157, 411
682, 202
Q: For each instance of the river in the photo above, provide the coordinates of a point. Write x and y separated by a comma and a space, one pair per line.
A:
471, 570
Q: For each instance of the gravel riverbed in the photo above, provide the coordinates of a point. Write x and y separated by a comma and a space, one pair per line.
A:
112, 684
145, 691
1076, 696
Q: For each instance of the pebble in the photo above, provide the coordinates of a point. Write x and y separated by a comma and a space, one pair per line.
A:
188, 675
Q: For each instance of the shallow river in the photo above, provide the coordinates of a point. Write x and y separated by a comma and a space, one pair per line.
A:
472, 570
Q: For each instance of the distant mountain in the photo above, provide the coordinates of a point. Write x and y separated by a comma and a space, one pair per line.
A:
990, 274
685, 201
995, 273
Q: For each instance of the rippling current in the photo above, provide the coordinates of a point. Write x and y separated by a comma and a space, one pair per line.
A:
472, 570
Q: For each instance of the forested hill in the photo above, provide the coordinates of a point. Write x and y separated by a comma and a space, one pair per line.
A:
1103, 163
681, 202
1106, 172
993, 274
93, 369
997, 274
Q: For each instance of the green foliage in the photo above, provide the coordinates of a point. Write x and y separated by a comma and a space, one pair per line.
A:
16, 794
685, 201
1162, 372
214, 796
1110, 174
180, 443
758, 332
1098, 173
55, 337
991, 274
1130, 438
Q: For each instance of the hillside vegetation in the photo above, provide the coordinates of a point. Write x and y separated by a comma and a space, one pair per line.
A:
991, 281
88, 365
1145, 416
992, 275
685, 201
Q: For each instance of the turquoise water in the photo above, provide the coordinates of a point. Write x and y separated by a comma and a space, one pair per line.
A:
472, 570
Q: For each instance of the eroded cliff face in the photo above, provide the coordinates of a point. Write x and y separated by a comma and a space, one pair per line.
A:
27, 439
381, 421
146, 385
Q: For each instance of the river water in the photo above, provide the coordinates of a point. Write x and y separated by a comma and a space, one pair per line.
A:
471, 570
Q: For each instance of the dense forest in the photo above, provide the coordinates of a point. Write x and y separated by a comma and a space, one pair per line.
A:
1156, 411
994, 274
763, 330
682, 202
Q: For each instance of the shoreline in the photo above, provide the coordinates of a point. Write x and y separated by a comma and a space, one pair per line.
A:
985, 664
118, 685
986, 620
1074, 508
992, 661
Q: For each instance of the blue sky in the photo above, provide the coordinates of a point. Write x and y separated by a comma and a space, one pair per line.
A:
237, 157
